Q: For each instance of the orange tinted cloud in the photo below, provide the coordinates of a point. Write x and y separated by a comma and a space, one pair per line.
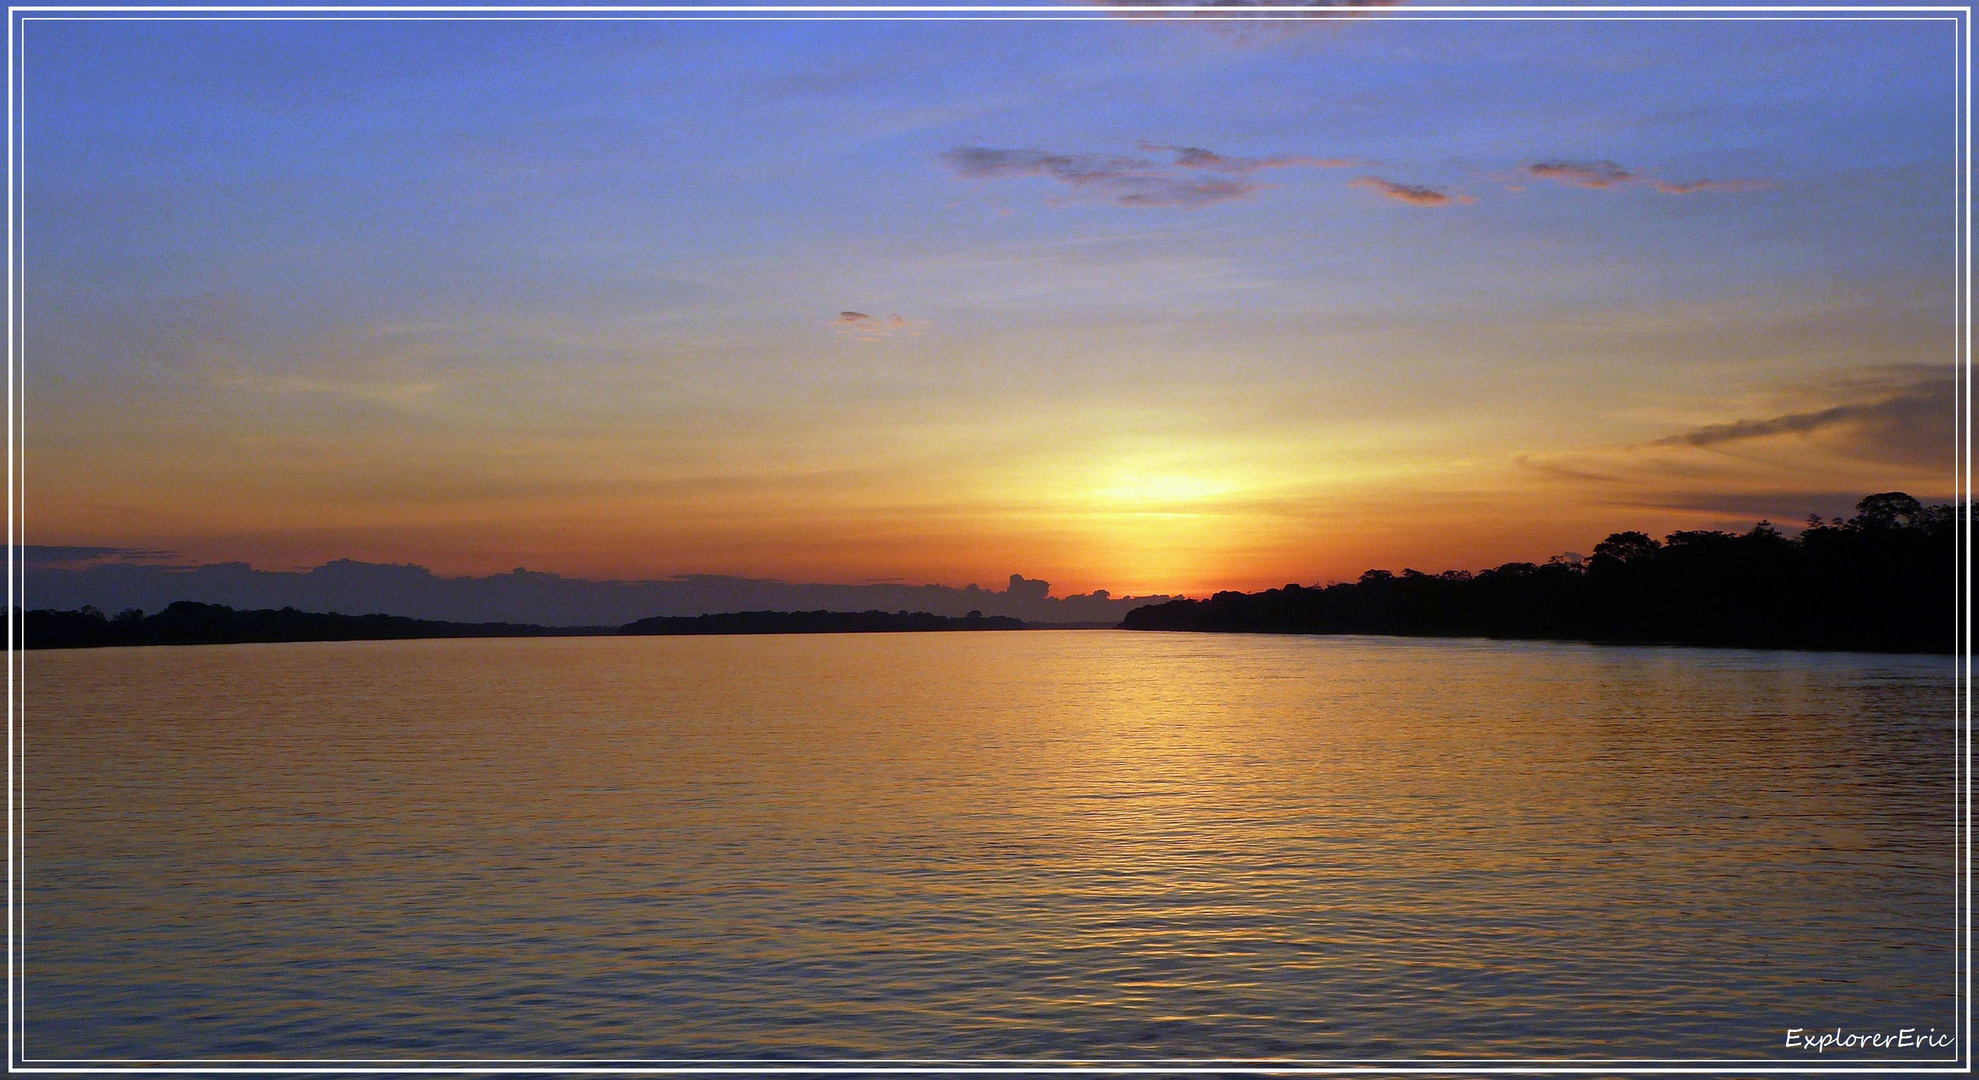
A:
1409, 193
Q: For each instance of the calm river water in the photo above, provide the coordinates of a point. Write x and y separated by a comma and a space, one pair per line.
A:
1058, 845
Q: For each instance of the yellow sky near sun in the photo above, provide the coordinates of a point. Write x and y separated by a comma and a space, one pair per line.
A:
1136, 498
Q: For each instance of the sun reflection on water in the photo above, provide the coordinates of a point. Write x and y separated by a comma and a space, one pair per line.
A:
981, 845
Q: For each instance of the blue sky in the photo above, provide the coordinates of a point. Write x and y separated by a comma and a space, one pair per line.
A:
569, 294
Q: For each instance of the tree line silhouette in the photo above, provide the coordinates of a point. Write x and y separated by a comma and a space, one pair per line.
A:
1884, 580
187, 622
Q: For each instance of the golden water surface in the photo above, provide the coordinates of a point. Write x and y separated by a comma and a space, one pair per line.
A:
1061, 845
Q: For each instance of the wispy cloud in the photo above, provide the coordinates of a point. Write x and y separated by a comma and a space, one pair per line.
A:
1195, 157
1600, 175
863, 327
1585, 174
1880, 430
1695, 186
989, 163
1563, 470
1909, 423
1188, 194
1409, 193
1777, 505
62, 556
1193, 179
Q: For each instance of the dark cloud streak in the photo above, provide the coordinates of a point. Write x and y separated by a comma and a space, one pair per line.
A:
1912, 425
1894, 422
1585, 174
1604, 174
1196, 177
987, 163
1697, 186
863, 327
52, 555
1195, 157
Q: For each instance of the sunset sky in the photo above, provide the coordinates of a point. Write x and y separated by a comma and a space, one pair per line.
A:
1150, 305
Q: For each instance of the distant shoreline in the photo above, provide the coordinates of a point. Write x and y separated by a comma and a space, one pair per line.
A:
819, 622
48, 629
190, 623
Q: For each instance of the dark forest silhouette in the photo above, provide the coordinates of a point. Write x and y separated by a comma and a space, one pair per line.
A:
1884, 581
190, 623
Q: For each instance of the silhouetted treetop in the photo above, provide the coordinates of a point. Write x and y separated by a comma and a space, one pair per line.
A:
1883, 580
